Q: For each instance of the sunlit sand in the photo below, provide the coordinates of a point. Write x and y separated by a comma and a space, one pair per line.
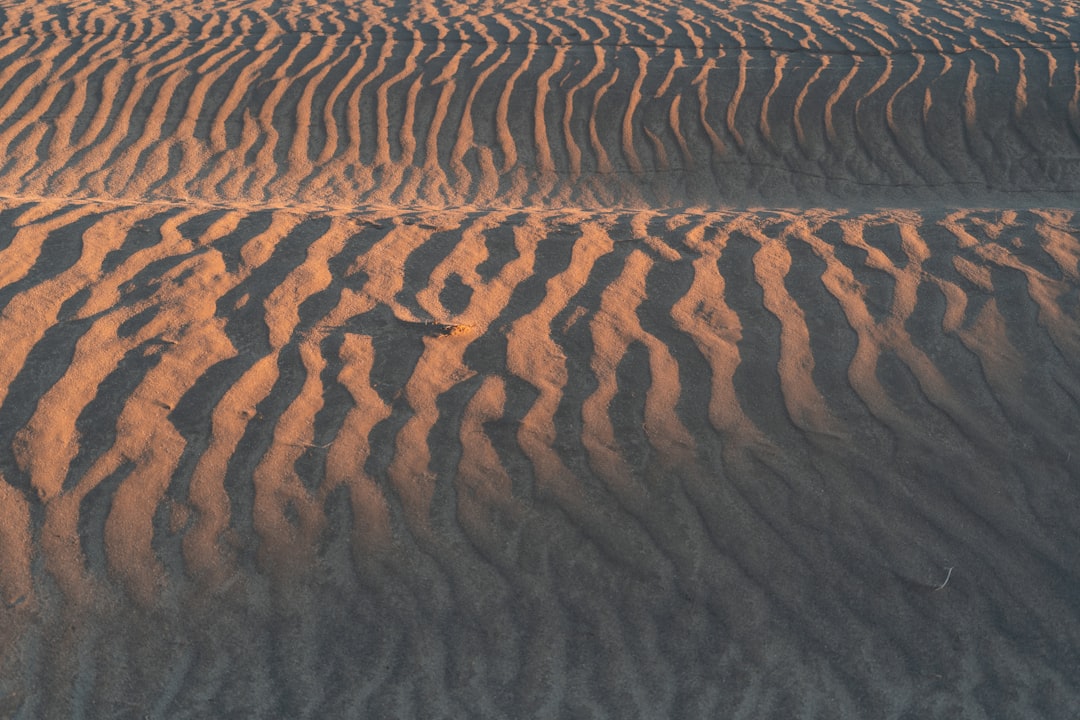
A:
555, 360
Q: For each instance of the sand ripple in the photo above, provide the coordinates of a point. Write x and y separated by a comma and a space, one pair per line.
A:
607, 359
669, 106
520, 418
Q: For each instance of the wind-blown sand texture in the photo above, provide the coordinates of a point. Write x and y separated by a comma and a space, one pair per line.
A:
555, 360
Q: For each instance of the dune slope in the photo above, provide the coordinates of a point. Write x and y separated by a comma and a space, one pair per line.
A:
672, 105
539, 360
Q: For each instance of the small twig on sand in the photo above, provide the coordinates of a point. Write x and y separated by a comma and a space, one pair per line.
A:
15, 603
946, 581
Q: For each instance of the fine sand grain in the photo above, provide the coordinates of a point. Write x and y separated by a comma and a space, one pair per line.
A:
556, 360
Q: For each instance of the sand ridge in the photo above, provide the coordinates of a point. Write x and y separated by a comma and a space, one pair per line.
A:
566, 359
366, 105
457, 379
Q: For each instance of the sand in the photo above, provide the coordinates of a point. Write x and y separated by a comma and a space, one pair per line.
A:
553, 360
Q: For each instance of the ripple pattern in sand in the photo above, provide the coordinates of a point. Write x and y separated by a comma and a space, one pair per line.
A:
538, 453
406, 359
653, 105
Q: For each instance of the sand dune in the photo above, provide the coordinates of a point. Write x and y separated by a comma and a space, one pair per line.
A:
727, 409
539, 360
697, 107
